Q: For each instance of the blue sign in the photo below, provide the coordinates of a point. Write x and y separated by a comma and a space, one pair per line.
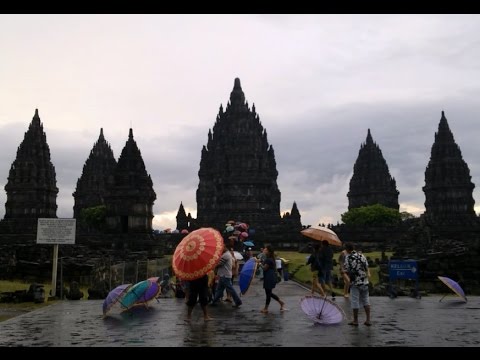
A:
402, 269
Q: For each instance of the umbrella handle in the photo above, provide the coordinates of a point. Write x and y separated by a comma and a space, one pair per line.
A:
323, 305
442, 298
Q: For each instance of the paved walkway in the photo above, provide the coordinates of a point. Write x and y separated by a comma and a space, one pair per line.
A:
399, 322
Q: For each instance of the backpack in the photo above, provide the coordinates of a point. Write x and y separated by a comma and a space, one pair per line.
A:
316, 265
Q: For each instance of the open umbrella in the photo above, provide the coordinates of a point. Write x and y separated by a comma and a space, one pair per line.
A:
321, 233
113, 297
237, 255
197, 254
453, 285
248, 243
134, 294
321, 310
246, 275
151, 293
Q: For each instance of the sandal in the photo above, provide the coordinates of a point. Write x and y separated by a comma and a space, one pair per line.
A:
367, 323
353, 323
264, 311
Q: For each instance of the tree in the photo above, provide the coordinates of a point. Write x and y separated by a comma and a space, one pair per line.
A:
372, 215
405, 215
94, 216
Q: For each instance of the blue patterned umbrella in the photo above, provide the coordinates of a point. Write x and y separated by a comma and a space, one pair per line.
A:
454, 286
246, 275
134, 294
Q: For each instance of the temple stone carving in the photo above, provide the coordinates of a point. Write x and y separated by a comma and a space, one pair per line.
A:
92, 184
371, 182
448, 186
31, 186
238, 172
130, 195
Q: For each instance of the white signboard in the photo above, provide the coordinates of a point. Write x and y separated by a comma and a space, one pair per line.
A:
56, 231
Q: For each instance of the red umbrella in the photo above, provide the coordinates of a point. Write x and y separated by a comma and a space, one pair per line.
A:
197, 254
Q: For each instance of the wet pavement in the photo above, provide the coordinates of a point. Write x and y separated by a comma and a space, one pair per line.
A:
402, 321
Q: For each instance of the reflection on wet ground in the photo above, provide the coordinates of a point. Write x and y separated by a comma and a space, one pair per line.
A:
402, 321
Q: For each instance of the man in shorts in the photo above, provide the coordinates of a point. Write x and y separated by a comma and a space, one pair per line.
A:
358, 272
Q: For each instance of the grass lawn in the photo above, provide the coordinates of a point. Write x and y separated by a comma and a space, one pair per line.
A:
302, 271
9, 310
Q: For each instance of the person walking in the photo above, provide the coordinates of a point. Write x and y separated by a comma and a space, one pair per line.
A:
225, 279
316, 268
198, 290
270, 278
358, 272
326, 263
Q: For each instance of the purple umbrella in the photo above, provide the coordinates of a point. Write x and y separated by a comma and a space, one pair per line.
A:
453, 285
321, 310
113, 297
151, 292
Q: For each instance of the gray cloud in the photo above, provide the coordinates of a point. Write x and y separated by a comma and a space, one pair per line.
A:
318, 83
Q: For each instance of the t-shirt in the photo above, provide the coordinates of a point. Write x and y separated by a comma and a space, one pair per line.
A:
357, 267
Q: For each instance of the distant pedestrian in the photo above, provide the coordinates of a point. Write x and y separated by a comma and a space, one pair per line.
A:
326, 262
261, 259
270, 279
343, 273
358, 272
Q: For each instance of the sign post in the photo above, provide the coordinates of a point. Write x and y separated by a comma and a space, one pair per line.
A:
403, 269
55, 231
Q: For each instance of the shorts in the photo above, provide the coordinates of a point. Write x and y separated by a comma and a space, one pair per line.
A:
359, 296
325, 276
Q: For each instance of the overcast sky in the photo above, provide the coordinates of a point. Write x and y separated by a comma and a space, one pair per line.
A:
318, 83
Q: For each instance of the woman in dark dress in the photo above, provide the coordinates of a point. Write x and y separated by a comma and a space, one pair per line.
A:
270, 278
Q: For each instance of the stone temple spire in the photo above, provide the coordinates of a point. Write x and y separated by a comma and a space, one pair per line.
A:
238, 175
130, 195
31, 186
92, 184
237, 97
448, 186
182, 219
371, 182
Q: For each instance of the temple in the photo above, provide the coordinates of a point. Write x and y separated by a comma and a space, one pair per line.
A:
448, 186
238, 172
371, 182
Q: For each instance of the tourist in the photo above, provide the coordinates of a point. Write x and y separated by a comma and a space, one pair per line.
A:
270, 279
316, 268
358, 272
326, 261
224, 272
198, 290
343, 273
